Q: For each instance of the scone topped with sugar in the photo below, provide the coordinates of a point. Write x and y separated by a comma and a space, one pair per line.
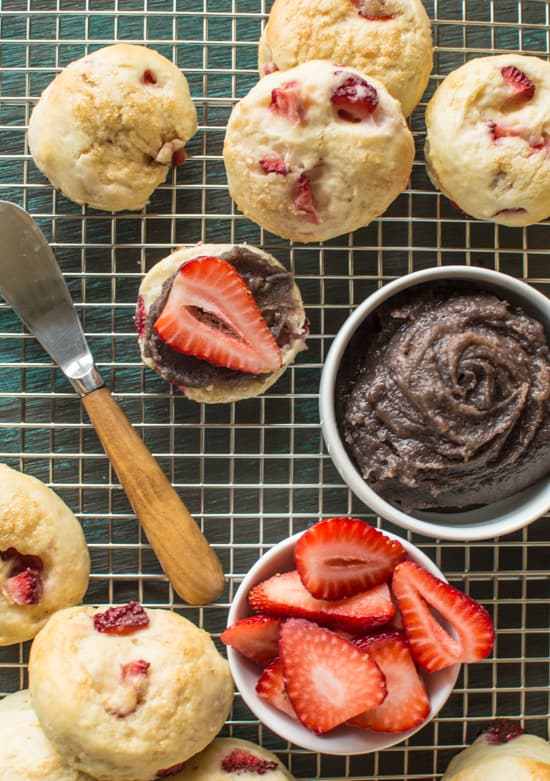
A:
127, 692
488, 138
109, 127
316, 151
390, 40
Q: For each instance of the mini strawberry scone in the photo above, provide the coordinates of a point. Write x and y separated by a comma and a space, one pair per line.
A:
44, 560
222, 322
25, 752
227, 758
502, 752
143, 690
360, 653
109, 127
488, 138
390, 40
317, 151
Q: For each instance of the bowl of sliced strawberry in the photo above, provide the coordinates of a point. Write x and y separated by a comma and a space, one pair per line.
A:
345, 639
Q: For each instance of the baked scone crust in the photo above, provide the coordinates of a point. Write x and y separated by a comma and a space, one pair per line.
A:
525, 758
355, 169
150, 290
485, 150
98, 129
25, 752
97, 724
397, 51
207, 765
36, 522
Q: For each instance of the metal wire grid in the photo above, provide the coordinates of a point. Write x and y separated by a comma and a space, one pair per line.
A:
256, 471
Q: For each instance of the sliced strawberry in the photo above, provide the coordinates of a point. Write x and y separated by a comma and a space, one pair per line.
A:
354, 98
433, 648
285, 596
274, 164
271, 688
25, 588
303, 200
522, 88
210, 313
286, 101
256, 637
340, 557
407, 703
327, 679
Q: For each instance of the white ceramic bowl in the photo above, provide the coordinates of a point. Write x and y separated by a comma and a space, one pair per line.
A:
341, 740
488, 521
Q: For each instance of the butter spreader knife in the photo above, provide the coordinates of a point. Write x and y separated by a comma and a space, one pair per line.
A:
32, 284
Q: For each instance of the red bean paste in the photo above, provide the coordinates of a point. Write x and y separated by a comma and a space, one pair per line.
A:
444, 399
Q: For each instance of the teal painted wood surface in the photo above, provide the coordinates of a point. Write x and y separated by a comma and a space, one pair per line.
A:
255, 471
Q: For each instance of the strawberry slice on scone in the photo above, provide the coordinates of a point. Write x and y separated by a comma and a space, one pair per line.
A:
256, 637
210, 313
407, 704
418, 592
284, 595
339, 557
327, 679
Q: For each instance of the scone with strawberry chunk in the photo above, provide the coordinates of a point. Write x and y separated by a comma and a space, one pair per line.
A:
227, 758
143, 690
222, 322
502, 751
25, 752
317, 151
44, 560
488, 138
390, 40
109, 127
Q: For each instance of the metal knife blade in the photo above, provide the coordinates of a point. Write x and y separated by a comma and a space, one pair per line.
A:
33, 285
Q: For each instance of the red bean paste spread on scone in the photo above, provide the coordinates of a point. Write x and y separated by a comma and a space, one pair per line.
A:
445, 399
271, 288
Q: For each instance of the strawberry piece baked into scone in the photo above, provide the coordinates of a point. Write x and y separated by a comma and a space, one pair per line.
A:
488, 138
110, 126
502, 751
221, 322
227, 758
44, 560
317, 151
143, 690
391, 40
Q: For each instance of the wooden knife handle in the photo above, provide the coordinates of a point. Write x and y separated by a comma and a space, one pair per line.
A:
182, 550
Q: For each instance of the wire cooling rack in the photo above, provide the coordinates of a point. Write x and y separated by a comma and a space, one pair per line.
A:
256, 471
